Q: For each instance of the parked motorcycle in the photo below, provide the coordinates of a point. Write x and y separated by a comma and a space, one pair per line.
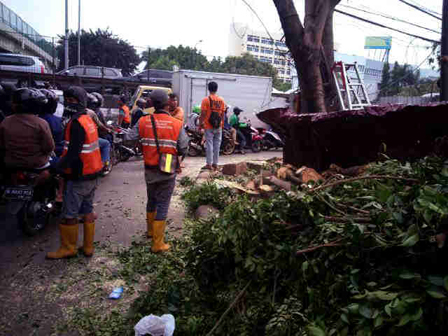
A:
271, 140
195, 146
30, 200
123, 149
252, 135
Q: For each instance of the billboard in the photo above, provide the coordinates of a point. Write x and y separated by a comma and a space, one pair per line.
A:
378, 42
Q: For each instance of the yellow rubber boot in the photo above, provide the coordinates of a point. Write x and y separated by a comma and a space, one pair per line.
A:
89, 233
69, 237
150, 217
158, 244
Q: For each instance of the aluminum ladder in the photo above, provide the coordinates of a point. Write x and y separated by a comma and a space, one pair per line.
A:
351, 90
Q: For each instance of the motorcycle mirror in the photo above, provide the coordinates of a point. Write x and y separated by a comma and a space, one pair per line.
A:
109, 123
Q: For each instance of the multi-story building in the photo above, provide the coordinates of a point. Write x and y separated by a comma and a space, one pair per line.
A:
260, 45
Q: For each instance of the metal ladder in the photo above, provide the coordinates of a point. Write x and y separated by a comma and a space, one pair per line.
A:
351, 90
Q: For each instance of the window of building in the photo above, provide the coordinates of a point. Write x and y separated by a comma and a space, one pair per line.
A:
253, 38
6, 15
265, 40
253, 48
280, 44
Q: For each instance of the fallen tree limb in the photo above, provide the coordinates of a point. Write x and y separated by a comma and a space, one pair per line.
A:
311, 249
369, 177
348, 219
229, 308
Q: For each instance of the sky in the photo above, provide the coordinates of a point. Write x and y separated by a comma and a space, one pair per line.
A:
158, 23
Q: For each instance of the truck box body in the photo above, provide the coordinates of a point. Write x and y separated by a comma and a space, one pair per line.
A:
250, 93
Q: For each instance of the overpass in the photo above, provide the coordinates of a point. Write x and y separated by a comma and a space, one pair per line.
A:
18, 37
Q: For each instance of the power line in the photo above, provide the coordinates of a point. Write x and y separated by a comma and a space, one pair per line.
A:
426, 8
420, 9
383, 26
391, 18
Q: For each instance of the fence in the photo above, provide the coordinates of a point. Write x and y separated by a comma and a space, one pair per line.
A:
407, 100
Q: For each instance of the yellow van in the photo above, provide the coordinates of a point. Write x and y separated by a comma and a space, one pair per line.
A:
143, 91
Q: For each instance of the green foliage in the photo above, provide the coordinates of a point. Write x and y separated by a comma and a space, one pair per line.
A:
373, 272
207, 194
190, 58
400, 77
100, 48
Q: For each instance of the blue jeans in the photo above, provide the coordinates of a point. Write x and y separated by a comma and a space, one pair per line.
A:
213, 138
104, 149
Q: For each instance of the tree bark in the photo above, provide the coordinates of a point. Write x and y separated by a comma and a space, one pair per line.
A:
305, 42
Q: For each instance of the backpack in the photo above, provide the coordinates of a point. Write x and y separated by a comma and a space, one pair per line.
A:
215, 117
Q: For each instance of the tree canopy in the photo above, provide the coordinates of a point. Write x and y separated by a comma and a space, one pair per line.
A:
100, 48
396, 79
190, 58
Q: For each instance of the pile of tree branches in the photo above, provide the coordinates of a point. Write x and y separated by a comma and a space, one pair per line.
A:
356, 257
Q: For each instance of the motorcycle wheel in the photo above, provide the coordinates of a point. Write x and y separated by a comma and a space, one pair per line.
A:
256, 146
192, 151
267, 145
32, 224
125, 156
228, 148
115, 157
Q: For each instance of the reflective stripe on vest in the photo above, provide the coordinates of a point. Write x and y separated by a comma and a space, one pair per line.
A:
90, 154
168, 130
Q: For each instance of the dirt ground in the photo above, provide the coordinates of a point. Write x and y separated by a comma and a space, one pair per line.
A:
37, 295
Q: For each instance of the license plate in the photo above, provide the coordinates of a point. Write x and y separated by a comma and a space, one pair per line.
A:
19, 193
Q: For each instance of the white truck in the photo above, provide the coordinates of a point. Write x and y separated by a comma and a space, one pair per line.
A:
250, 93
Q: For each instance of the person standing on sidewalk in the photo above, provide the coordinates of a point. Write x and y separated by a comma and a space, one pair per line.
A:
163, 141
212, 120
81, 163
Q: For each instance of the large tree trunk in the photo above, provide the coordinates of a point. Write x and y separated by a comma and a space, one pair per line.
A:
311, 46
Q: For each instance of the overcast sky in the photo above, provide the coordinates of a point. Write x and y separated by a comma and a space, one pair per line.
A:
159, 23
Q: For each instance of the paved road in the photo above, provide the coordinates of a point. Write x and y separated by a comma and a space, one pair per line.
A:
120, 204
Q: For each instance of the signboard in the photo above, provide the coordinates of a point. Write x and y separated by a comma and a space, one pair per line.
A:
378, 42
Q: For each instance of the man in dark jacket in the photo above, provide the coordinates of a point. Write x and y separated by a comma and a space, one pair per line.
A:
81, 163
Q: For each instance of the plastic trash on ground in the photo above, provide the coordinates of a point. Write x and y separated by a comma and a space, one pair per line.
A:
116, 293
155, 326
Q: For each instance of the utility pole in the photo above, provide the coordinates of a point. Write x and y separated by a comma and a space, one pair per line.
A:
444, 53
66, 37
79, 32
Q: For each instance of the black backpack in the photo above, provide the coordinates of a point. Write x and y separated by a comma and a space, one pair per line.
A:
215, 117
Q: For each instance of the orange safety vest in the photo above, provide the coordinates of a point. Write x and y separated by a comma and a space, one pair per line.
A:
168, 130
127, 114
90, 154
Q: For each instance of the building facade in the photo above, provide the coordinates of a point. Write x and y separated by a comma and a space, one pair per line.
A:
257, 43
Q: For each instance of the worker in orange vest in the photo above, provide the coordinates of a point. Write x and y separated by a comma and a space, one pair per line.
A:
163, 141
81, 163
124, 115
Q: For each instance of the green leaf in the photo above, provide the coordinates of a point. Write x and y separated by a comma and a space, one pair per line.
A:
378, 321
404, 320
385, 296
305, 266
353, 308
409, 276
436, 293
411, 241
345, 318
436, 280
418, 315
316, 331
366, 312
445, 283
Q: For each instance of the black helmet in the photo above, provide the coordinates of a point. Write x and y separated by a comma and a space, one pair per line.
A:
99, 97
78, 93
141, 103
237, 110
52, 104
92, 101
124, 99
28, 100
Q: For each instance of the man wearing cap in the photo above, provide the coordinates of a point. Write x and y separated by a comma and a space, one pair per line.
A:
81, 163
166, 137
235, 123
